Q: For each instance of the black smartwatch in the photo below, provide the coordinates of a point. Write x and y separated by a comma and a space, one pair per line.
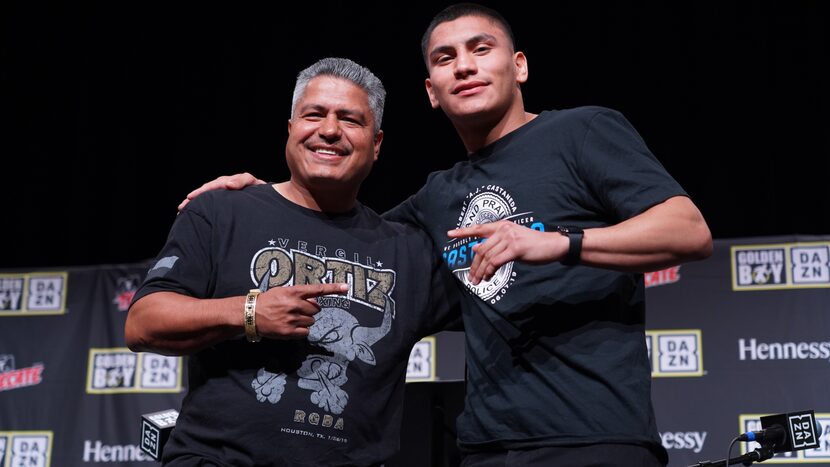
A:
574, 235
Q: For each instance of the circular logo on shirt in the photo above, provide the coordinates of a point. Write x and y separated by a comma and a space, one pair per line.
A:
489, 203
484, 208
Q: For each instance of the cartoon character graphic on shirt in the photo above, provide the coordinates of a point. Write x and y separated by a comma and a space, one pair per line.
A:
339, 333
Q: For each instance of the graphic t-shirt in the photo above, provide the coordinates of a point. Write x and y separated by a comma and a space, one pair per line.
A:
556, 355
334, 398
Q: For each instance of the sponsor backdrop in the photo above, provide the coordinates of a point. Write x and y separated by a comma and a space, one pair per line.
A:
741, 335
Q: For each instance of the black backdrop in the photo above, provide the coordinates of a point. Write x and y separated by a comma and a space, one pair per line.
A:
110, 114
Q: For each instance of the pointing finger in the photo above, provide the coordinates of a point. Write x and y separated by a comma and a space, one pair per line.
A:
316, 290
480, 230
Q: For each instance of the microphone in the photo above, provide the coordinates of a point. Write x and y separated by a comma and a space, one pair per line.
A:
784, 432
787, 432
774, 434
155, 430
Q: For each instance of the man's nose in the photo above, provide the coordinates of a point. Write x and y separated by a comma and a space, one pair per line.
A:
465, 64
330, 127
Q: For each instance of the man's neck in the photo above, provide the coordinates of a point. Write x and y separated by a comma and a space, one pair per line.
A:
478, 134
328, 201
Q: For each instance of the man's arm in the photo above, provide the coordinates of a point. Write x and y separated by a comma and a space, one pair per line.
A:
173, 324
170, 323
664, 235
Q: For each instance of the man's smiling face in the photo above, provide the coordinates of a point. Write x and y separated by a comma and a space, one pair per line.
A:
331, 135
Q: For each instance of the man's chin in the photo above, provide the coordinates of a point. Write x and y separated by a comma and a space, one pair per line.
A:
470, 111
329, 182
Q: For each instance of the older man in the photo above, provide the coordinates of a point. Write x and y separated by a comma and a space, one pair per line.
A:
299, 306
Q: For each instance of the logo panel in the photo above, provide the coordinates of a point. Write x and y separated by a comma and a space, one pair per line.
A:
119, 370
33, 293
125, 289
679, 352
97, 453
822, 452
810, 265
780, 266
421, 365
150, 437
29, 448
758, 267
683, 440
662, 277
802, 429
14, 378
752, 349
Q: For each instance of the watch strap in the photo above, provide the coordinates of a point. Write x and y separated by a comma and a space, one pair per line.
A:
575, 236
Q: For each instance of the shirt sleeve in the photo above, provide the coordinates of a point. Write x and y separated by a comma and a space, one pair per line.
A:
444, 304
405, 213
411, 211
619, 168
185, 263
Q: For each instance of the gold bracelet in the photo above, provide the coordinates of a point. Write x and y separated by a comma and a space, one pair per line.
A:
250, 316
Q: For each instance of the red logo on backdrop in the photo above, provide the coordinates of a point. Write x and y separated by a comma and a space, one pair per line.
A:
125, 290
662, 277
11, 378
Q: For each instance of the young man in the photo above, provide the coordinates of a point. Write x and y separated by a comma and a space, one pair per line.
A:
551, 222
572, 204
275, 376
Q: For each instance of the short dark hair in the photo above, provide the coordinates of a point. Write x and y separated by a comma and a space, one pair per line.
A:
458, 10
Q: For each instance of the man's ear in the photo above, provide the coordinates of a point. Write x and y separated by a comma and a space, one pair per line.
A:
431, 93
378, 140
520, 64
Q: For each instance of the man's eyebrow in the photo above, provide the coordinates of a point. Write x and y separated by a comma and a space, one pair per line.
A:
307, 107
340, 112
441, 49
355, 113
477, 39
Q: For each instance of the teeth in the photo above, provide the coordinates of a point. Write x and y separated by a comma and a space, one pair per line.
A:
327, 152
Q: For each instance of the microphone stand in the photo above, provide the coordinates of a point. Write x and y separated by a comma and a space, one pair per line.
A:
766, 451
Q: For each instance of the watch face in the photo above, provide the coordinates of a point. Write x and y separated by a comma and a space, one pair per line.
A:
568, 230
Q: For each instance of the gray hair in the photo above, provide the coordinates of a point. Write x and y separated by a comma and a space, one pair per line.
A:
350, 71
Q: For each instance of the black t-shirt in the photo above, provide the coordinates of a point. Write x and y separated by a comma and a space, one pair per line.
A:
556, 355
334, 398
